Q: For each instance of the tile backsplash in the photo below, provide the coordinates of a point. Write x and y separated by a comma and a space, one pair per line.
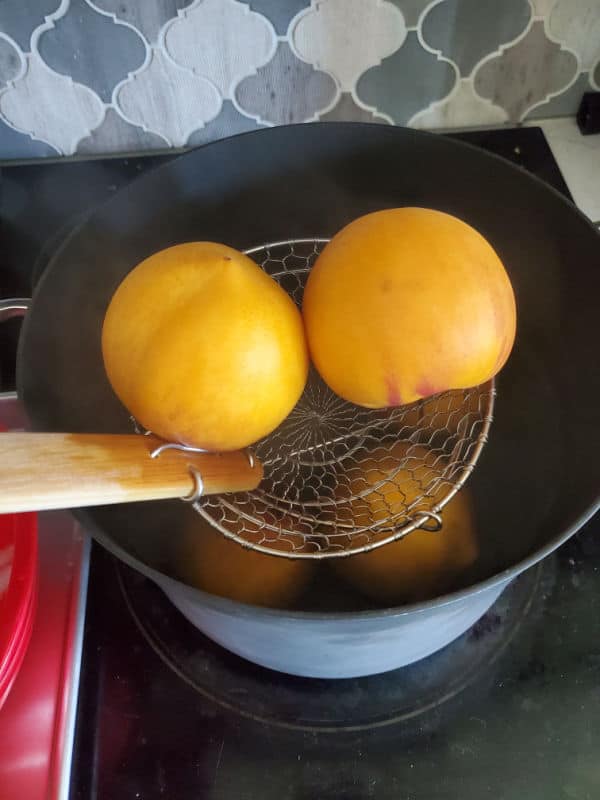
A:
104, 76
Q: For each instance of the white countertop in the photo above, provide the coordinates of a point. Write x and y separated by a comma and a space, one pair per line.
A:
579, 160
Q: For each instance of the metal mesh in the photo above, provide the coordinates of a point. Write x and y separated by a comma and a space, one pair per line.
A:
342, 479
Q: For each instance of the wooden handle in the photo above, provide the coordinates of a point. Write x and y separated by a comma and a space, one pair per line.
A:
40, 471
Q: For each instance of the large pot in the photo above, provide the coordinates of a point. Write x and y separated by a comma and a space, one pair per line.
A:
537, 481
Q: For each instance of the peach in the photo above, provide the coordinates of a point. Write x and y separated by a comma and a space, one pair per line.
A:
406, 303
213, 563
423, 563
203, 347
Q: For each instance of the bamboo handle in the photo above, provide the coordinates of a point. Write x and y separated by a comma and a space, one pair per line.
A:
40, 471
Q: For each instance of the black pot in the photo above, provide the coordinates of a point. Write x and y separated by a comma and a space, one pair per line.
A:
538, 479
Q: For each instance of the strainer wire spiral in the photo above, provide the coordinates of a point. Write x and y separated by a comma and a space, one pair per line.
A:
341, 479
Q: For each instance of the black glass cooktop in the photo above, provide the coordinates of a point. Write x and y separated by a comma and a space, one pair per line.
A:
511, 710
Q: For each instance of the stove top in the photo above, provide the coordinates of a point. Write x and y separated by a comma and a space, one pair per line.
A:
509, 710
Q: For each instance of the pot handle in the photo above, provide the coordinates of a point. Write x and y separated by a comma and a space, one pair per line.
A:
11, 308
14, 307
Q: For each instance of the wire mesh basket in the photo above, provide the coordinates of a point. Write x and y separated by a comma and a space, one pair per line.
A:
342, 479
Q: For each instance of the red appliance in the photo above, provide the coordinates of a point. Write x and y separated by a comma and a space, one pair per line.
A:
18, 588
40, 644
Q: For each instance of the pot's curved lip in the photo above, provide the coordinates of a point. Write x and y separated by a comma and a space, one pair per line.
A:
245, 610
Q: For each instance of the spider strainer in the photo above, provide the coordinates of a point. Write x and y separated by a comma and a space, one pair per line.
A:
341, 479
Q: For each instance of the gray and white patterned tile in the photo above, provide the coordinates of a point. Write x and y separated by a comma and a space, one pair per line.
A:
228, 122
91, 48
541, 8
576, 24
566, 103
115, 135
190, 71
347, 110
167, 99
407, 81
279, 12
12, 63
463, 108
286, 90
412, 10
526, 73
146, 16
51, 107
346, 37
222, 40
19, 18
489, 25
15, 145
